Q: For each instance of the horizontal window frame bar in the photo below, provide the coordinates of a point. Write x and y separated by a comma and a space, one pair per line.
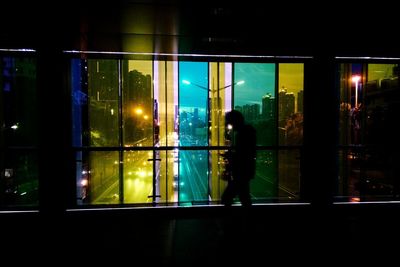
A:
194, 55
294, 147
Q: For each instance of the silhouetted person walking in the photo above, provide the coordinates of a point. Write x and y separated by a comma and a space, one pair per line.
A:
241, 159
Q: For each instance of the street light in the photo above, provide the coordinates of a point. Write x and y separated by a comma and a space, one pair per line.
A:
208, 89
208, 104
356, 79
187, 82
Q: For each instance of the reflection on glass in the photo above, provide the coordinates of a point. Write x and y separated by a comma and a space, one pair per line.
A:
18, 132
350, 114
103, 102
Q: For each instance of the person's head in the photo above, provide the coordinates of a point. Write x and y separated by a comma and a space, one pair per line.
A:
234, 118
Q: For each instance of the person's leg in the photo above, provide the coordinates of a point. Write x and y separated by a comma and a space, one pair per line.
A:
229, 194
244, 193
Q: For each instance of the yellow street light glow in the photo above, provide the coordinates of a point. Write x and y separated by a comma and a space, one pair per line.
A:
145, 117
139, 111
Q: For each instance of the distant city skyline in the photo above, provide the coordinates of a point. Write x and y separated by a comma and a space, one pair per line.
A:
260, 80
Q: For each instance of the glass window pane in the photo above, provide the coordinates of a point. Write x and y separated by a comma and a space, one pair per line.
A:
351, 76
289, 174
265, 185
166, 171
19, 131
349, 160
193, 131
380, 112
193, 177
369, 109
348, 187
141, 106
220, 102
166, 129
79, 102
18, 101
290, 127
137, 102
166, 102
291, 83
255, 98
19, 178
193, 103
100, 178
95, 120
138, 177
103, 112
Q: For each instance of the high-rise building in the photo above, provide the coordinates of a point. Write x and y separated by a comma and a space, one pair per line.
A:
300, 96
268, 107
286, 104
251, 112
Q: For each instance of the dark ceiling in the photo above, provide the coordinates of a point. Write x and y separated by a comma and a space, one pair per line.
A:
251, 27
